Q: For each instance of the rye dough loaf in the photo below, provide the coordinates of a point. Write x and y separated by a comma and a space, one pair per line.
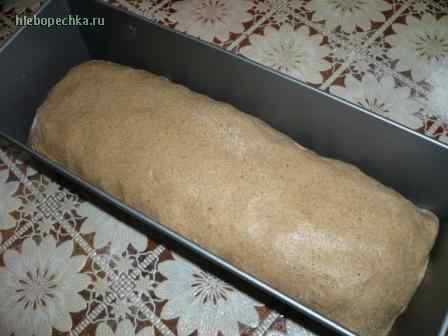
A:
318, 229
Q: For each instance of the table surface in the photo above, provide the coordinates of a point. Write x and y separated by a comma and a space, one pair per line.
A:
68, 268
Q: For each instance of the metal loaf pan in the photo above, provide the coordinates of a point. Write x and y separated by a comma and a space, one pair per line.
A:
37, 57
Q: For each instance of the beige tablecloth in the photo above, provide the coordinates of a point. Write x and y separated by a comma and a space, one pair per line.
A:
68, 268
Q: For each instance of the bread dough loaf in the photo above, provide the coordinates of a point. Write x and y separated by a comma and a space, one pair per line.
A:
315, 228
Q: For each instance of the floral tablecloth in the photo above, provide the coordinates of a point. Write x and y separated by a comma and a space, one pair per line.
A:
68, 268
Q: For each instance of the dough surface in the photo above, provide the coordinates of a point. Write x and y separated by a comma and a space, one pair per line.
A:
317, 229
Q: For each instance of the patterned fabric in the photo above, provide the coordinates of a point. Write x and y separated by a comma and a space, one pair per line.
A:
69, 268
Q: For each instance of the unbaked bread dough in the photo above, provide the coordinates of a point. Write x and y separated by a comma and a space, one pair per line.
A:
317, 229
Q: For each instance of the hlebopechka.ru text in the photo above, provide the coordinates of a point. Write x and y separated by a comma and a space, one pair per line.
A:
69, 20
